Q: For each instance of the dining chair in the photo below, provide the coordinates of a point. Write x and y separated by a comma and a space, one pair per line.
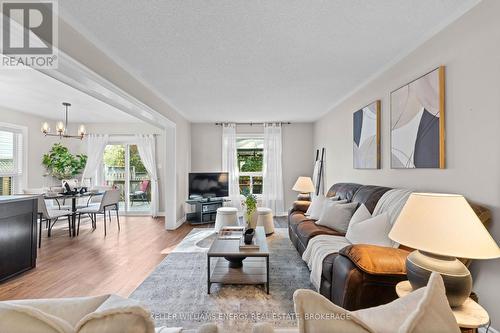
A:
95, 200
110, 201
48, 203
50, 216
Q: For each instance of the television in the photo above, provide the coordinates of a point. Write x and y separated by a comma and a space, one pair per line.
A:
208, 185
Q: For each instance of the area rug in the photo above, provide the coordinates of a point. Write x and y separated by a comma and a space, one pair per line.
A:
176, 292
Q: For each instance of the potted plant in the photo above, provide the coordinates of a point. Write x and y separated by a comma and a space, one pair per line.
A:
250, 205
61, 164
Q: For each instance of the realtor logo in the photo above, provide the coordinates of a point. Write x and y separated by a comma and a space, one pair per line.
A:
29, 34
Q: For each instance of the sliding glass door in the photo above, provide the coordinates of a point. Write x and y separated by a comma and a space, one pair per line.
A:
123, 168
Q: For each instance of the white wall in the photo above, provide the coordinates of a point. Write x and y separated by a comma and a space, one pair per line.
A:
37, 145
138, 128
470, 50
298, 154
91, 56
206, 147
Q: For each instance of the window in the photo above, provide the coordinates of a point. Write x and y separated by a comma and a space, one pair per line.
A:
123, 168
11, 161
250, 151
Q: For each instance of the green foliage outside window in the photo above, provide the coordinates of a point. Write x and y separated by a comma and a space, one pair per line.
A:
250, 160
114, 156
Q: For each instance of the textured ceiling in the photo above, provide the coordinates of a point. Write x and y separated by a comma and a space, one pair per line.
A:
240, 60
30, 91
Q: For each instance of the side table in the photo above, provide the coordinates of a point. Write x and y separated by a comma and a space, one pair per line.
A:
470, 315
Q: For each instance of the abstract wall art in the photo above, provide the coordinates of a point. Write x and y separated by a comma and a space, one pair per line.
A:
417, 123
366, 137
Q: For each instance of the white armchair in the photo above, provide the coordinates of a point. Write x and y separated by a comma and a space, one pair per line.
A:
425, 310
99, 314
105, 314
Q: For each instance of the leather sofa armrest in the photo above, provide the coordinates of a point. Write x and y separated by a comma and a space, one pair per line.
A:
300, 206
377, 260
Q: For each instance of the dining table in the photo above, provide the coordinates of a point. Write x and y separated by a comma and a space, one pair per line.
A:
74, 198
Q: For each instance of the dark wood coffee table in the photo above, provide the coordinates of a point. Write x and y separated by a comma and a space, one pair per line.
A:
255, 268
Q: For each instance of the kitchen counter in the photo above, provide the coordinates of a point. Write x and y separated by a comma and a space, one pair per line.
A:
13, 198
18, 234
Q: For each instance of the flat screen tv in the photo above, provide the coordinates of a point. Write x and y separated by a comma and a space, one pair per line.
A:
208, 185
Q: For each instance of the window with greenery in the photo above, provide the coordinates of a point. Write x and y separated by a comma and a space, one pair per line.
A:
123, 168
11, 161
250, 152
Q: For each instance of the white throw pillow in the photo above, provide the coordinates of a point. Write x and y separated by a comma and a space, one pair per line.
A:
316, 206
336, 215
425, 310
361, 214
374, 231
422, 311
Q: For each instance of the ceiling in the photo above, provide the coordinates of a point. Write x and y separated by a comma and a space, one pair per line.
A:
267, 60
32, 92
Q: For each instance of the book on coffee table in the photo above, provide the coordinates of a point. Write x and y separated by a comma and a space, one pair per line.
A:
253, 246
231, 232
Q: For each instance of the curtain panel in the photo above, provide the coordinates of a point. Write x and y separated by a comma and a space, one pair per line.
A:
230, 163
96, 143
146, 146
272, 194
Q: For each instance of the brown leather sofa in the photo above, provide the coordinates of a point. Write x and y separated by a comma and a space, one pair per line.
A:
359, 276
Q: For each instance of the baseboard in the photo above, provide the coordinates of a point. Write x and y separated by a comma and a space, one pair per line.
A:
490, 330
180, 222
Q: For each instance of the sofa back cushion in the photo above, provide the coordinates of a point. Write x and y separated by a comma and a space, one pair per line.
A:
343, 190
369, 195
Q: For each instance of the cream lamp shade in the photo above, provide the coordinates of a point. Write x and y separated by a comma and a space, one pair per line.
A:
443, 224
304, 185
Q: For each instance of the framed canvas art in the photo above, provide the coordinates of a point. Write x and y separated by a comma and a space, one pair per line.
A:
366, 137
417, 123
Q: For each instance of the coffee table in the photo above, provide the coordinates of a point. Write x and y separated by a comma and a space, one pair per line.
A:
255, 262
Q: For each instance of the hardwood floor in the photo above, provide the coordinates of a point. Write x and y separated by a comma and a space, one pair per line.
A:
92, 264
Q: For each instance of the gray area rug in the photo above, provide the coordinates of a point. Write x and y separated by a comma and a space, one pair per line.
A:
176, 292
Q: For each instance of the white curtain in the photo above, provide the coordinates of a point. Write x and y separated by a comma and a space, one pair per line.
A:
96, 144
272, 194
147, 151
230, 163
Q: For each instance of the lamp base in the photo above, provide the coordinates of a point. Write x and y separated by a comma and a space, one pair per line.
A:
304, 197
456, 276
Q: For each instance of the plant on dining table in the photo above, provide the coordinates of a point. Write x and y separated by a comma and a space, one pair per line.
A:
61, 164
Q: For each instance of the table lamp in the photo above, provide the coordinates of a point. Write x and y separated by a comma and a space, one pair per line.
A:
442, 228
305, 186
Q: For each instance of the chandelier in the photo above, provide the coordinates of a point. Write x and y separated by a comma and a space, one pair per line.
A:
62, 127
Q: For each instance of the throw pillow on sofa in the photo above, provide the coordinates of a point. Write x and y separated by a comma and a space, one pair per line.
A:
361, 214
373, 231
336, 215
317, 204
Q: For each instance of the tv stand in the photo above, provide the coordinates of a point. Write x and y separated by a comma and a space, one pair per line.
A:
205, 210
